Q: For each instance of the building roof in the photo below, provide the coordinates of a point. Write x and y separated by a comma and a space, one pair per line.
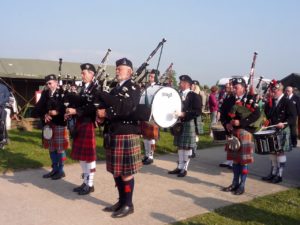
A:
38, 69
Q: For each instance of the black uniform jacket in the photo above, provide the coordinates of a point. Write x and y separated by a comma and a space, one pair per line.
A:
191, 106
226, 108
48, 102
296, 101
121, 104
285, 111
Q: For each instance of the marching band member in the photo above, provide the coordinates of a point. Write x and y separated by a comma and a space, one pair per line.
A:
239, 126
84, 142
122, 136
51, 109
150, 130
186, 141
281, 111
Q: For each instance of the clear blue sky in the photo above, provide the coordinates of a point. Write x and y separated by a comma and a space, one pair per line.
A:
205, 39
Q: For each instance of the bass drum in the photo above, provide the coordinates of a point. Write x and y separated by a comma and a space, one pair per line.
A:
164, 102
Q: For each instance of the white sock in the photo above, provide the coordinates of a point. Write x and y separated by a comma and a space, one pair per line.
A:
187, 158
180, 159
273, 159
146, 146
281, 160
91, 168
84, 171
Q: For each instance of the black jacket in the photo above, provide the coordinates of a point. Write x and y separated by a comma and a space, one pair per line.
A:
191, 106
121, 104
296, 101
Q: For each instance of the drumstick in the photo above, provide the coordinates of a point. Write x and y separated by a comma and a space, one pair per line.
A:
263, 128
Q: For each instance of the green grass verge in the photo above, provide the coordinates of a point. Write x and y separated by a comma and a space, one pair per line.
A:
282, 208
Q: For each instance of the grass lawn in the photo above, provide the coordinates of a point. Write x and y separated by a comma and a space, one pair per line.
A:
282, 208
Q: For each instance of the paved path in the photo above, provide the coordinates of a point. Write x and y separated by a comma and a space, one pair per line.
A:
159, 198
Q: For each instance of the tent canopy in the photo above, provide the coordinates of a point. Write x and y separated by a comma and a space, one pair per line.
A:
292, 80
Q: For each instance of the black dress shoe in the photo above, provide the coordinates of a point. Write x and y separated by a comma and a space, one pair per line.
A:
268, 178
230, 188
239, 191
86, 190
78, 189
113, 208
144, 159
176, 171
58, 176
123, 211
50, 174
276, 180
182, 173
223, 165
148, 161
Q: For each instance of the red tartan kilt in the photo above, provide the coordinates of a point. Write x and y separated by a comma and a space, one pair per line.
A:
149, 130
84, 144
59, 141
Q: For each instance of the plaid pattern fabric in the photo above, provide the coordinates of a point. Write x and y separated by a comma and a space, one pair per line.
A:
284, 138
199, 128
59, 141
123, 157
187, 140
84, 144
245, 154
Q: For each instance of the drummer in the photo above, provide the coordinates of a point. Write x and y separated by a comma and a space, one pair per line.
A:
186, 140
150, 130
283, 114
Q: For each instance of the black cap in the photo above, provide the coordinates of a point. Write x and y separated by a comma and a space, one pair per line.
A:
196, 82
88, 66
186, 78
238, 80
50, 77
156, 72
124, 62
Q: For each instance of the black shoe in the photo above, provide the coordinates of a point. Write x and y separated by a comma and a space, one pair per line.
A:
268, 178
144, 159
239, 191
86, 190
58, 176
50, 174
113, 208
276, 180
230, 167
193, 155
223, 165
176, 171
148, 161
123, 211
78, 189
230, 188
182, 173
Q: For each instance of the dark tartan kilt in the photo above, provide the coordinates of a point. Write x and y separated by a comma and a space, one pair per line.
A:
245, 154
59, 141
284, 136
84, 143
123, 157
187, 140
199, 123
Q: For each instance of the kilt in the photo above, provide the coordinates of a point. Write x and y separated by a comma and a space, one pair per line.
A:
84, 144
123, 154
284, 136
59, 141
199, 125
187, 140
149, 130
245, 154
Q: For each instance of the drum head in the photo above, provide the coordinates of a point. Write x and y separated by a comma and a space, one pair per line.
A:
166, 101
149, 93
47, 132
264, 132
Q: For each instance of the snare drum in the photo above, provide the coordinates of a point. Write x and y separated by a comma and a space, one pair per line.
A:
164, 102
266, 142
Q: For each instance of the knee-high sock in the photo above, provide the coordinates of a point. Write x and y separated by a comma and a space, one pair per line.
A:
54, 160
91, 169
236, 174
61, 157
274, 166
119, 184
84, 171
152, 148
281, 160
180, 159
128, 191
147, 147
187, 158
243, 174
